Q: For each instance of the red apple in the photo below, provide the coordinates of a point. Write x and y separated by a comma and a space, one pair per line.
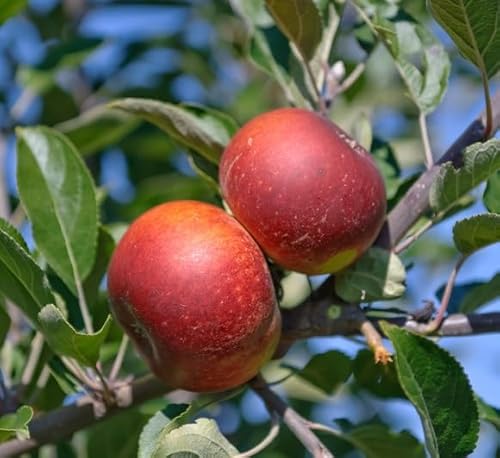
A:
311, 197
193, 291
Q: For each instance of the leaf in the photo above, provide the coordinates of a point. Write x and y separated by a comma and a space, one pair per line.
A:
480, 295
300, 21
386, 161
491, 196
105, 247
9, 8
253, 13
4, 322
98, 128
472, 234
405, 39
11, 231
376, 440
16, 424
23, 282
58, 194
378, 274
480, 160
362, 131
327, 371
440, 391
151, 433
199, 439
474, 26
260, 54
488, 413
378, 379
202, 129
65, 340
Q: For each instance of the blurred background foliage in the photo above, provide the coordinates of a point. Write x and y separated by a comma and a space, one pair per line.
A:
62, 58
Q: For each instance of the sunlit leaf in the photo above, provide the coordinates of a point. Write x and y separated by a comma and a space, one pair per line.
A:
474, 26
426, 373
474, 233
58, 194
65, 340
16, 424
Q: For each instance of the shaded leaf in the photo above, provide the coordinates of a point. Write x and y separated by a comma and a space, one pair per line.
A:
476, 232
98, 128
9, 8
378, 274
480, 160
23, 282
474, 26
199, 439
16, 424
260, 54
4, 321
491, 197
480, 295
405, 39
65, 340
376, 440
58, 194
327, 371
204, 130
300, 21
378, 379
10, 230
388, 166
427, 373
253, 13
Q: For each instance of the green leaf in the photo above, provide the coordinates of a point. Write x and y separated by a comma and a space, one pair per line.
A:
386, 161
472, 234
199, 439
300, 21
105, 247
10, 230
65, 340
480, 160
23, 282
480, 295
405, 39
491, 196
474, 26
327, 371
150, 434
98, 128
362, 131
4, 321
377, 275
260, 54
488, 413
253, 13
58, 194
378, 379
376, 440
440, 391
16, 424
9, 8
202, 129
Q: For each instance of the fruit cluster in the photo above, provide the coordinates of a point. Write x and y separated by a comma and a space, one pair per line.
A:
190, 284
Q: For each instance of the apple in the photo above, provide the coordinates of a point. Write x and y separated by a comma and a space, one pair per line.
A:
311, 196
193, 291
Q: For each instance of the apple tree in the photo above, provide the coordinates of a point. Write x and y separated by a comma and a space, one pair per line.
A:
111, 109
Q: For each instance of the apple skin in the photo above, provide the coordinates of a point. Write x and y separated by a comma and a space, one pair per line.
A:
311, 197
193, 291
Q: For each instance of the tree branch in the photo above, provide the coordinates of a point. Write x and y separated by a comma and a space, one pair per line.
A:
63, 422
416, 200
298, 425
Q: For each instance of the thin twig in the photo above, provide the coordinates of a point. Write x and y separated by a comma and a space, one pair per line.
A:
422, 122
295, 422
352, 77
327, 429
34, 355
264, 443
488, 130
403, 245
108, 396
82, 301
80, 374
117, 363
433, 325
